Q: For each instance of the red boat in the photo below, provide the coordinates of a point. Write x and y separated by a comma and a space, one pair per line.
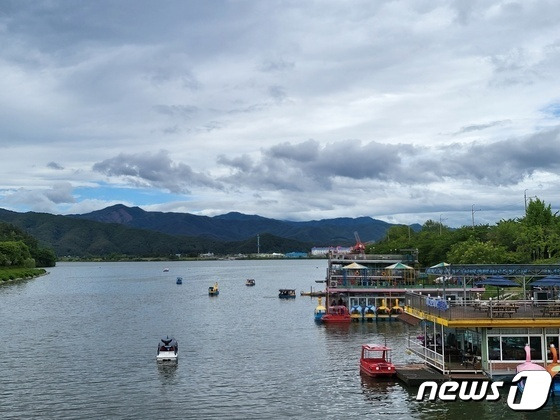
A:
376, 361
337, 314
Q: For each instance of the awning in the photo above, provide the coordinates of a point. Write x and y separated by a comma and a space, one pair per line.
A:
399, 266
547, 281
498, 281
354, 266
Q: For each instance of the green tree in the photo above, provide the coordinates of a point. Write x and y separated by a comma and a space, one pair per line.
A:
15, 253
473, 251
538, 214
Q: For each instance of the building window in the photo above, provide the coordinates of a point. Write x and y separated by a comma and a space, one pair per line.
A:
494, 348
503, 347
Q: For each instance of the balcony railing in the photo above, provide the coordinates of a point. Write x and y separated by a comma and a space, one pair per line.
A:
482, 309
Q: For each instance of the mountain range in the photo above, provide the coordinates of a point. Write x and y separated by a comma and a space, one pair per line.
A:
237, 226
120, 229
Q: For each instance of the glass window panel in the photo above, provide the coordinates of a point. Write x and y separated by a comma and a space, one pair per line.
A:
536, 348
494, 348
551, 339
513, 348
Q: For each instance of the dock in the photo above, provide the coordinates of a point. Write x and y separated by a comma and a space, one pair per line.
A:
413, 375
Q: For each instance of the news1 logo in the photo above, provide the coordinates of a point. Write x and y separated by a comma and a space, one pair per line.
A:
533, 385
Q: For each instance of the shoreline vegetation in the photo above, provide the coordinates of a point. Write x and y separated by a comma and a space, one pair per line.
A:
20, 273
124, 258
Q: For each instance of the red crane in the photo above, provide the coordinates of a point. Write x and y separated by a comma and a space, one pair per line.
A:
359, 248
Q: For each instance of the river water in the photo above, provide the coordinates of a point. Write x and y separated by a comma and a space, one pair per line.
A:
81, 343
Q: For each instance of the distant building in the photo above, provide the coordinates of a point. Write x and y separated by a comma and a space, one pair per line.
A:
315, 251
296, 255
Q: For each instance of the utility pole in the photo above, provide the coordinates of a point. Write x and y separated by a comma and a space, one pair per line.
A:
258, 243
473, 211
441, 223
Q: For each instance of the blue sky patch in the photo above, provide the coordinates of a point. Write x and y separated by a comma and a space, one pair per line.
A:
138, 196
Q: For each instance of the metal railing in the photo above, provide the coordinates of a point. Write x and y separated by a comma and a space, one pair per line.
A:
429, 356
482, 309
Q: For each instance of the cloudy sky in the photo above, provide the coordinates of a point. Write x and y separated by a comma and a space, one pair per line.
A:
298, 110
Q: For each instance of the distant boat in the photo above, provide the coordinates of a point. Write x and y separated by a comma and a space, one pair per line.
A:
336, 315
250, 282
179, 280
320, 310
168, 349
383, 309
213, 290
396, 309
313, 293
165, 270
287, 293
376, 361
369, 313
356, 313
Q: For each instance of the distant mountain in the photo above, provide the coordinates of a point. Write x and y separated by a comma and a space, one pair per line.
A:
238, 227
71, 236
131, 231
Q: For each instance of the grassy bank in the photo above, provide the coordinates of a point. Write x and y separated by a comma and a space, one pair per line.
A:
14, 273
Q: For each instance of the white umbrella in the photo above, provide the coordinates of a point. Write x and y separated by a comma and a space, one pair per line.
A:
354, 266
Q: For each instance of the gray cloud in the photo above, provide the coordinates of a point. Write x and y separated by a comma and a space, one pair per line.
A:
43, 199
155, 170
54, 165
480, 127
296, 166
505, 162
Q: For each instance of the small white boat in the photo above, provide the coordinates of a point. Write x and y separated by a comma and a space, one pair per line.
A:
168, 349
165, 270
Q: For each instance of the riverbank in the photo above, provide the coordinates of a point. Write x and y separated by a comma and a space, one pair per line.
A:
20, 273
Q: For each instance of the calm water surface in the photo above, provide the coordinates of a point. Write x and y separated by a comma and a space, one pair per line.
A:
81, 343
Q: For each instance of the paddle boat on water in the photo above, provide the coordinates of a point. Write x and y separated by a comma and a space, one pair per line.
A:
287, 293
553, 368
167, 349
250, 282
527, 365
213, 290
383, 309
356, 313
320, 310
375, 361
396, 309
337, 314
179, 280
369, 313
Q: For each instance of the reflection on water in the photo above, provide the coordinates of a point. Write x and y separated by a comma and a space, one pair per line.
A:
167, 370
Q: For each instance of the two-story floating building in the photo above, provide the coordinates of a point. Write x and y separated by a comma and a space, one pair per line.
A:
488, 336
373, 286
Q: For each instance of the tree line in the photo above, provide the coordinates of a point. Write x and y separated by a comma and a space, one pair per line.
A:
534, 238
19, 249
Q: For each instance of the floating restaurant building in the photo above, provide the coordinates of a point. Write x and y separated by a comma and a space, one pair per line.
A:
373, 286
468, 334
